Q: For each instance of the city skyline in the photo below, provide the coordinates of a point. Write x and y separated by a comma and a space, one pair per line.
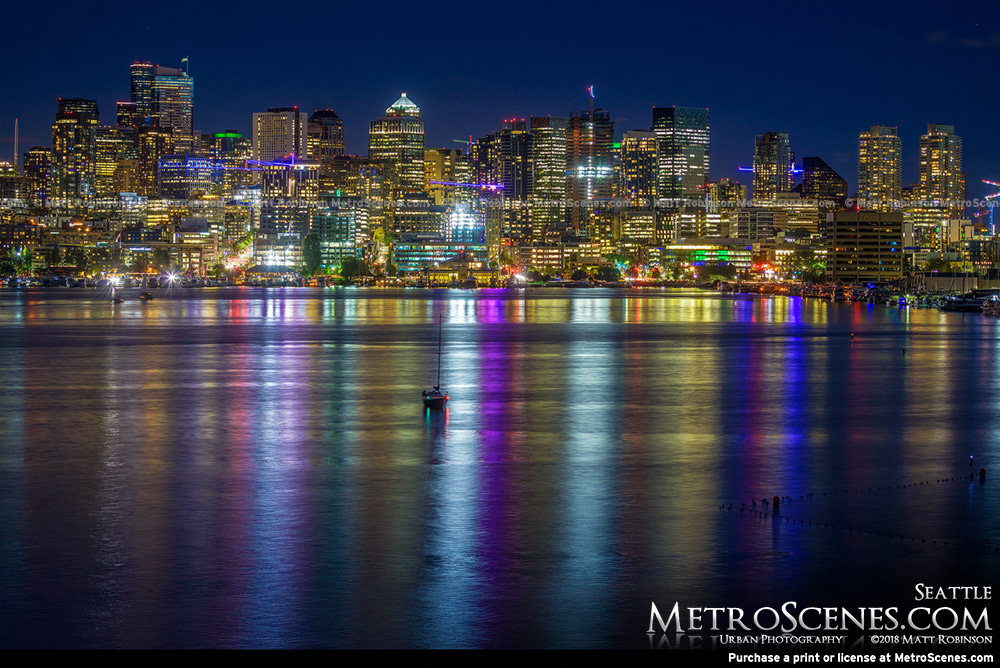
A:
829, 131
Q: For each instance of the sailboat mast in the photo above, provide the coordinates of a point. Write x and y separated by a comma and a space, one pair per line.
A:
440, 325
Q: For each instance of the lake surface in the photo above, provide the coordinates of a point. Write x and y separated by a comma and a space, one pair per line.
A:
253, 468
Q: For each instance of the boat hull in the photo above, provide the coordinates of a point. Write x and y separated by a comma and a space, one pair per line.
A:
435, 402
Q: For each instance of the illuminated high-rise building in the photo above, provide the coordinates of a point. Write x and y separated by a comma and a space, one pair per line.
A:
289, 193
396, 140
280, 133
325, 136
590, 160
772, 166
173, 105
37, 171
154, 143
725, 197
128, 115
448, 166
184, 176
230, 152
942, 182
639, 168
116, 144
683, 158
548, 174
821, 182
504, 159
879, 168
142, 91
74, 148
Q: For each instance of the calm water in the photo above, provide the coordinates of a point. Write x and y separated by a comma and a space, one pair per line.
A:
253, 468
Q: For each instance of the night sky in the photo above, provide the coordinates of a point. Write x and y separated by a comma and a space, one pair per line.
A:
821, 71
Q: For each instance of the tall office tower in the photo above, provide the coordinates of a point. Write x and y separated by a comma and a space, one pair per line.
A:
128, 115
772, 166
396, 140
590, 160
142, 91
37, 171
279, 133
942, 181
173, 105
821, 182
153, 144
446, 166
116, 144
879, 168
504, 158
548, 174
639, 168
325, 136
683, 152
74, 148
230, 151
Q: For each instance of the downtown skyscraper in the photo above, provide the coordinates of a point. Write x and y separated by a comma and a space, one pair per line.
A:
772, 166
163, 97
590, 160
396, 141
683, 160
74, 148
279, 133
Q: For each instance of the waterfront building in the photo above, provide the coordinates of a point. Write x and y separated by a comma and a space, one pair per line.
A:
864, 246
942, 182
416, 252
879, 169
683, 151
337, 229
736, 252
772, 166
396, 141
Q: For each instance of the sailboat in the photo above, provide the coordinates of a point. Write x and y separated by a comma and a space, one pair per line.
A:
435, 398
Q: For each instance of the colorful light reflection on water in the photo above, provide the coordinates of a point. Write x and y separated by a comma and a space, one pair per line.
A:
253, 468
